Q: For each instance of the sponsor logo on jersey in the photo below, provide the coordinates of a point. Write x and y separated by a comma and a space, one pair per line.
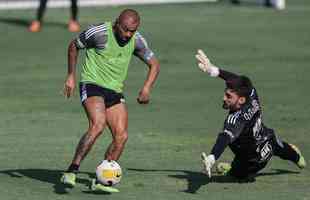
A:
266, 151
252, 110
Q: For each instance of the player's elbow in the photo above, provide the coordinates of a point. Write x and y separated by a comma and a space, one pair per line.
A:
72, 47
157, 68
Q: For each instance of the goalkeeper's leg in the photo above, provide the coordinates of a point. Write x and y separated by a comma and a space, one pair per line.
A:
288, 152
242, 169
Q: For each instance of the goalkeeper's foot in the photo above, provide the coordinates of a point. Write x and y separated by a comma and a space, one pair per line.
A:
223, 168
94, 186
68, 179
301, 163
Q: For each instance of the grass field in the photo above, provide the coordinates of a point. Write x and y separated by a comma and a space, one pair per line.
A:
39, 128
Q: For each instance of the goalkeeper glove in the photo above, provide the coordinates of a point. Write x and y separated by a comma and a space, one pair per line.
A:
205, 65
208, 162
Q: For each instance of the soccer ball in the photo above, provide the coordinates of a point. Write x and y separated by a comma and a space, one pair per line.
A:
109, 172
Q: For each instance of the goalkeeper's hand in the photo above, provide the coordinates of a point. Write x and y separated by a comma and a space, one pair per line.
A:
205, 65
208, 162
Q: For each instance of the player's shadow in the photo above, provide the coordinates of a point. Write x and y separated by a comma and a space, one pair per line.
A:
197, 179
25, 22
14, 21
48, 176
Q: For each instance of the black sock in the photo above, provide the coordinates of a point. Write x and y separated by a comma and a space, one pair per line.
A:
73, 168
74, 9
286, 152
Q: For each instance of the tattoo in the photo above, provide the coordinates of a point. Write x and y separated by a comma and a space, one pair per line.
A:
99, 108
89, 138
84, 146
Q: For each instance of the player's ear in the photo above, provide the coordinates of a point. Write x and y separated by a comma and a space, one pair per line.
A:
242, 100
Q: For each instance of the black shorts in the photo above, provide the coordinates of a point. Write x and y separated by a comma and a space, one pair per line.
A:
243, 168
110, 96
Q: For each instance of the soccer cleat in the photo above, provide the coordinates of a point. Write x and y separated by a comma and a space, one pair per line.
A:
35, 26
99, 187
68, 179
223, 168
73, 26
301, 163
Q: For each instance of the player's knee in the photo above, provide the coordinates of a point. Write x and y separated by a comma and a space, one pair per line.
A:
122, 137
97, 127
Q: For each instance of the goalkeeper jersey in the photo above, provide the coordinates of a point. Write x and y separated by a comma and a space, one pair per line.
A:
248, 135
244, 131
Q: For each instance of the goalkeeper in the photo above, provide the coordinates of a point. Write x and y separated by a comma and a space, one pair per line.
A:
252, 143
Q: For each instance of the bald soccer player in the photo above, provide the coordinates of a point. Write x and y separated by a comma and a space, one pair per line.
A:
109, 48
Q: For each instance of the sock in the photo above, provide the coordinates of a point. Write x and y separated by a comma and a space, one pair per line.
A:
286, 152
73, 168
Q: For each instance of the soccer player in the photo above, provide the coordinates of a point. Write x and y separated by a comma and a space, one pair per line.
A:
109, 48
73, 25
252, 143
277, 4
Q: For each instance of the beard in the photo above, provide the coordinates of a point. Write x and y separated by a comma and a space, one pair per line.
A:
231, 108
120, 40
225, 106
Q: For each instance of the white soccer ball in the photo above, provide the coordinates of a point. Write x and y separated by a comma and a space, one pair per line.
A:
109, 172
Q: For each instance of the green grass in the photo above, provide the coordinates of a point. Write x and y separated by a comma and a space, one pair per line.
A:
39, 128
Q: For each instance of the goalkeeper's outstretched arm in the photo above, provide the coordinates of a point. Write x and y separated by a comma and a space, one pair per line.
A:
223, 140
206, 66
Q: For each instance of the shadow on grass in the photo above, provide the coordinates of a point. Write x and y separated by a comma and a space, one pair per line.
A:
48, 176
197, 179
96, 192
25, 22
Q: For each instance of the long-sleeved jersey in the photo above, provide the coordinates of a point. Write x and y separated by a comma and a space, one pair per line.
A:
244, 131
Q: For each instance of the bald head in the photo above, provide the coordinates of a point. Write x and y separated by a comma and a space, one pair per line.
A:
129, 15
126, 25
